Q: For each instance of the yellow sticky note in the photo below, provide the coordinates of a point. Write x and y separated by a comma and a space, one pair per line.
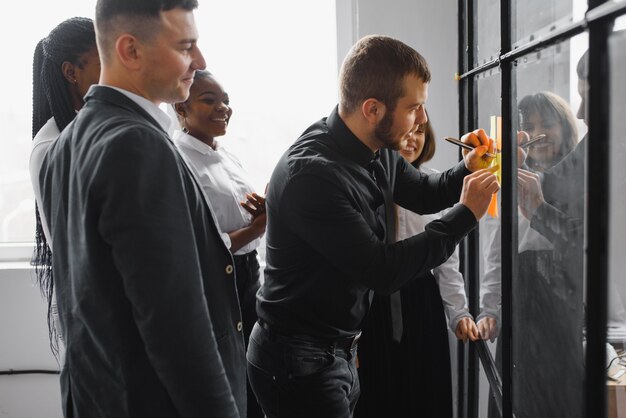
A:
496, 163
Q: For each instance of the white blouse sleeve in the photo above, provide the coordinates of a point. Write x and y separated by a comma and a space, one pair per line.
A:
452, 289
491, 285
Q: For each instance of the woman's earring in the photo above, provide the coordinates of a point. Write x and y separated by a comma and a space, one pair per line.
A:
184, 129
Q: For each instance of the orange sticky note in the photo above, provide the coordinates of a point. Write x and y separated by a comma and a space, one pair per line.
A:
493, 206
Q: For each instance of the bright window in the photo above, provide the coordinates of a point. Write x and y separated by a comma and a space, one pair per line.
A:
280, 74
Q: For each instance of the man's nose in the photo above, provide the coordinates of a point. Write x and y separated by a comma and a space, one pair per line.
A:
422, 117
198, 62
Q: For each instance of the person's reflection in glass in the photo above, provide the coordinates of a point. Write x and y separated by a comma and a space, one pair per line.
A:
546, 113
547, 349
541, 113
547, 291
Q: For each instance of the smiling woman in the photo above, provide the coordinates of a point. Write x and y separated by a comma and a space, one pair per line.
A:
240, 212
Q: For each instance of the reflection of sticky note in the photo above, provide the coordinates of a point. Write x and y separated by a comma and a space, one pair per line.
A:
499, 133
495, 131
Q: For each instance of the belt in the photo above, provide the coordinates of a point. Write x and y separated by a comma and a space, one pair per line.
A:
245, 257
345, 343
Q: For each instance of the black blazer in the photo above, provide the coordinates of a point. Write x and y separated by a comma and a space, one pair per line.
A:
145, 285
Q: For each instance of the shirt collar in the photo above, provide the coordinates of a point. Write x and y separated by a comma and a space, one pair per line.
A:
194, 143
163, 119
349, 145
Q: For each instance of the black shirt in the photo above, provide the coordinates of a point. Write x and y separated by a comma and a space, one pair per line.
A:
325, 242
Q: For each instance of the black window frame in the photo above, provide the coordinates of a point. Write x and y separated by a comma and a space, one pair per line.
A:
598, 22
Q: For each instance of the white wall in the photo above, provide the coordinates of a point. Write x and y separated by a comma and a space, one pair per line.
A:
429, 27
24, 345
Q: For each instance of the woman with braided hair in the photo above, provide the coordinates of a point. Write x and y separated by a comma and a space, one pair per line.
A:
65, 64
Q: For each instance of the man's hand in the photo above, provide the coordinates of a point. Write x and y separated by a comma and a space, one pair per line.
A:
476, 159
488, 328
478, 188
530, 195
466, 328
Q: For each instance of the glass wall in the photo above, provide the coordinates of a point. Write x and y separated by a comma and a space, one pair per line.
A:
547, 290
488, 95
542, 257
487, 31
534, 19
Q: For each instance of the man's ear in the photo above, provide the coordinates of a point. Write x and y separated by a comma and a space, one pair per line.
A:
69, 72
373, 110
127, 50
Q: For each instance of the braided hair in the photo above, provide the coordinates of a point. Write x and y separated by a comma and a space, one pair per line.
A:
52, 98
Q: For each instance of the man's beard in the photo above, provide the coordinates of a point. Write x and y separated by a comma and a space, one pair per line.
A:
382, 132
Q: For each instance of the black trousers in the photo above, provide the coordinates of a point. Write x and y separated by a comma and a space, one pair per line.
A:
248, 273
293, 377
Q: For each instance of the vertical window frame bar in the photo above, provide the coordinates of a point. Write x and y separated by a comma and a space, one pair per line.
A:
597, 216
508, 217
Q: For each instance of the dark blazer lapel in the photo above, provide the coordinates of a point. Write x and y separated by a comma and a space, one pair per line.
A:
115, 98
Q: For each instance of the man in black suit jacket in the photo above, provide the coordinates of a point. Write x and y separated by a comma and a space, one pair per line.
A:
146, 294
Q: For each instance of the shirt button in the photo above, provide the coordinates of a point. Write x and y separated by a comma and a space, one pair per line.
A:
239, 326
229, 269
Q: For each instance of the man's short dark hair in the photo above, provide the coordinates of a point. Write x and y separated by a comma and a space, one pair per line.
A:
107, 9
136, 17
376, 67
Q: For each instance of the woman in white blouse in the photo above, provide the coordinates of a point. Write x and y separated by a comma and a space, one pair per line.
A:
239, 211
444, 290
420, 149
417, 369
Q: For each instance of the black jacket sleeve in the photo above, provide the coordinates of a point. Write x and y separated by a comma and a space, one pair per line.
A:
318, 209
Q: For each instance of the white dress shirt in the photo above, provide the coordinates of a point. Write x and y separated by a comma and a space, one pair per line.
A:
41, 143
163, 119
449, 279
223, 180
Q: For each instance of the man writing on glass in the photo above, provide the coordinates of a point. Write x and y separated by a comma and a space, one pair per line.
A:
330, 222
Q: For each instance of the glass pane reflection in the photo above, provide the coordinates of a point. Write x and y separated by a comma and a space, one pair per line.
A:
487, 30
488, 87
548, 343
535, 19
616, 332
